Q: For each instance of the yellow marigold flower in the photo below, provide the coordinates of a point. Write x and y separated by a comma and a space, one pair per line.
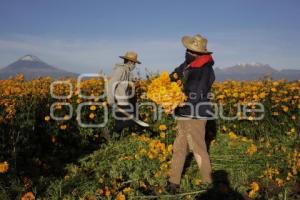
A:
232, 136
91, 115
162, 127
143, 151
274, 89
252, 194
93, 107
293, 130
127, 190
4, 167
245, 139
170, 148
150, 155
275, 83
157, 174
221, 96
197, 181
164, 166
262, 95
242, 94
165, 93
163, 135
47, 118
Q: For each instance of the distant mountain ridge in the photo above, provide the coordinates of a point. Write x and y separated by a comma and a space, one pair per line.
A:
32, 67
254, 71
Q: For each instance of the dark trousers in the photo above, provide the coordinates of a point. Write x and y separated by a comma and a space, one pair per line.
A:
120, 124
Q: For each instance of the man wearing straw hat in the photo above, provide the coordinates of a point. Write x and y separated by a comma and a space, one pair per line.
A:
197, 75
119, 92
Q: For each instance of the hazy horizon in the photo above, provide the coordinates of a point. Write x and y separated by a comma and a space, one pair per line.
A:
143, 69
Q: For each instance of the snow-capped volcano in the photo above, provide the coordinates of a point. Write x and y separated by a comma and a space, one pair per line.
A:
30, 58
32, 67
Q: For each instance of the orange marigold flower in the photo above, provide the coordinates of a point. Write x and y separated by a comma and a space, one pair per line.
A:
4, 167
252, 149
63, 127
285, 108
28, 196
120, 196
254, 190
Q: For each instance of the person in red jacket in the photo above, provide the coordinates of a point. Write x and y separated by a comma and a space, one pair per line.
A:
197, 76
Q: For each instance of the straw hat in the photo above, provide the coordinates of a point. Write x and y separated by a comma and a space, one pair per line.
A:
196, 43
132, 56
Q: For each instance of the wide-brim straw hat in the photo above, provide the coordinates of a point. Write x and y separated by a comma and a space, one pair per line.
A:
132, 56
196, 43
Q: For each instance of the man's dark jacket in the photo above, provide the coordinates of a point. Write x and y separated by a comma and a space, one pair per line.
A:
197, 78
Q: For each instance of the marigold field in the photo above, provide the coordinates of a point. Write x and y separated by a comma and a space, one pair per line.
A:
42, 158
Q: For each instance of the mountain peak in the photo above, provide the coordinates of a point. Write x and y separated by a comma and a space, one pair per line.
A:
252, 64
254, 71
30, 58
32, 67
250, 68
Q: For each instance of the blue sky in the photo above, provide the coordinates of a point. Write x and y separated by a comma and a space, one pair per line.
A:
89, 35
